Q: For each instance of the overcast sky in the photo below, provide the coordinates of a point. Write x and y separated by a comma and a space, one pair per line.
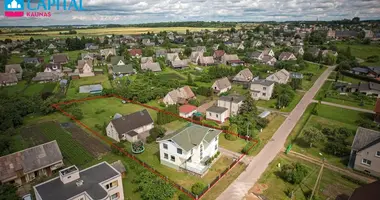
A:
145, 11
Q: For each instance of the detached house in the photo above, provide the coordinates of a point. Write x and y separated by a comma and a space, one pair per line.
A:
180, 64
131, 127
231, 59
24, 166
44, 77
14, 69
60, 59
33, 61
146, 60
281, 77
8, 79
152, 66
218, 54
195, 56
100, 181
285, 56
365, 151
244, 76
189, 149
53, 67
298, 50
217, 114
85, 68
261, 89
117, 60
268, 52
123, 70
179, 96
171, 57
221, 85
187, 110
105, 53
135, 53
232, 103
206, 61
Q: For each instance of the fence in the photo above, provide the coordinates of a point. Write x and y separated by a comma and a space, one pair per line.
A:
145, 165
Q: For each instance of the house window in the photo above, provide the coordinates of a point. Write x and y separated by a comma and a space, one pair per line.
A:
377, 154
112, 185
216, 139
209, 114
165, 146
366, 162
264, 88
179, 151
264, 94
216, 147
166, 156
217, 115
115, 196
172, 158
201, 151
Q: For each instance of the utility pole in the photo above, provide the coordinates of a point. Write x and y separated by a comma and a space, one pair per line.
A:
318, 180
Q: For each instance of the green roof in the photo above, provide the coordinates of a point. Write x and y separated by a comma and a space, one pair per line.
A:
122, 69
192, 136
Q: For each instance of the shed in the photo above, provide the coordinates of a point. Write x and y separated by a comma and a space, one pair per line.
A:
264, 114
118, 165
92, 89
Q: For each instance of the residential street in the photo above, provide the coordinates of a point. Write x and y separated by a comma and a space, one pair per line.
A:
346, 107
239, 188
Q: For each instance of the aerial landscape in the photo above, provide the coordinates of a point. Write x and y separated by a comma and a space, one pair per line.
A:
188, 100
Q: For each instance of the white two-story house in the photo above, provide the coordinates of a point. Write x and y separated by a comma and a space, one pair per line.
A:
101, 181
189, 148
232, 103
261, 89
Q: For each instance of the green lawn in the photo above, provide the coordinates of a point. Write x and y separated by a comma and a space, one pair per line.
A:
13, 89
311, 68
15, 59
175, 125
331, 185
101, 111
272, 103
341, 114
151, 157
362, 51
275, 122
73, 90
327, 93
235, 146
38, 88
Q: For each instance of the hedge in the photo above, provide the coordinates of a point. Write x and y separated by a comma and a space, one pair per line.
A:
361, 77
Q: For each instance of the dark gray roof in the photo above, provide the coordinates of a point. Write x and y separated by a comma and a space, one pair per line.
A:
365, 138
216, 109
360, 69
366, 86
8, 78
233, 98
128, 123
263, 82
29, 159
91, 177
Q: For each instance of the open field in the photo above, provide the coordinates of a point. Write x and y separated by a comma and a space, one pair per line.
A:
363, 51
332, 184
272, 103
103, 31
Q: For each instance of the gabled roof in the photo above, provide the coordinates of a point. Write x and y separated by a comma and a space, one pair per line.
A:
152, 66
244, 75
184, 92
172, 56
192, 136
282, 74
134, 52
115, 59
16, 67
180, 63
8, 78
216, 109
365, 138
123, 69
187, 108
29, 159
285, 55
223, 83
263, 82
232, 98
130, 122
367, 192
206, 60
60, 58
81, 63
219, 53
146, 60
45, 76
228, 57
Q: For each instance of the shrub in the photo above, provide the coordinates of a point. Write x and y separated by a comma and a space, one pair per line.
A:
98, 111
198, 188
247, 148
293, 173
77, 113
184, 197
233, 129
98, 126
115, 150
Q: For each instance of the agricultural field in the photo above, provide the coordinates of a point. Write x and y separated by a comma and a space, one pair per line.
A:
102, 32
331, 117
362, 52
332, 184
72, 150
328, 94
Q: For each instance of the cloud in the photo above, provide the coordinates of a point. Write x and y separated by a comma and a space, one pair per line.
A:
145, 11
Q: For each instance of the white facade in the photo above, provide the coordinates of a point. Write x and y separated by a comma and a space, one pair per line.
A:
112, 133
219, 117
187, 115
168, 100
233, 108
86, 71
216, 88
259, 91
172, 155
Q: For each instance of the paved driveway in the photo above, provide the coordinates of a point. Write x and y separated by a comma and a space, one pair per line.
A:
239, 188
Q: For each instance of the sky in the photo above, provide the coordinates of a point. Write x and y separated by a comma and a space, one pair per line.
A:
147, 11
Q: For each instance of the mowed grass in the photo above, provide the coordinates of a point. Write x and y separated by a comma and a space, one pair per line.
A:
38, 88
340, 114
170, 76
363, 51
151, 157
235, 146
331, 185
272, 103
101, 111
14, 89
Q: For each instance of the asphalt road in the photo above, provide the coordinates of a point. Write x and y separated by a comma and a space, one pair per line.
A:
239, 188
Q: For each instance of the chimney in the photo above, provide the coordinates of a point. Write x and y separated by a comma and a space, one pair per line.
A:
70, 174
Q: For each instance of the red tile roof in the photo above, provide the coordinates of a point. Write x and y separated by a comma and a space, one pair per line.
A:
187, 108
219, 53
377, 106
134, 52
